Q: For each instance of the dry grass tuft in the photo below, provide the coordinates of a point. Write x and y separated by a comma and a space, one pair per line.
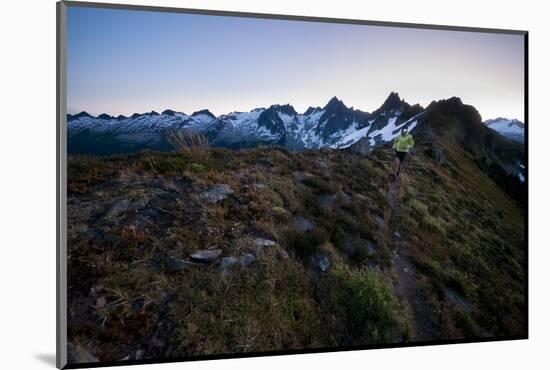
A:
185, 141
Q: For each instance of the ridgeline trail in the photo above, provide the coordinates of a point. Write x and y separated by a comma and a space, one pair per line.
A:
403, 272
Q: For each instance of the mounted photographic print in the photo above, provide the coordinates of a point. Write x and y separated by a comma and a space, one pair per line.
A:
236, 184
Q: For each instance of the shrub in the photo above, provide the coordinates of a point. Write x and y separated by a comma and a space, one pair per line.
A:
372, 310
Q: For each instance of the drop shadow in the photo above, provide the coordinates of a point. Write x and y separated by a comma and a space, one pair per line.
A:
47, 358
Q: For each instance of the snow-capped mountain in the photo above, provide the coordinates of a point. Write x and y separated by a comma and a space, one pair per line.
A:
335, 125
513, 129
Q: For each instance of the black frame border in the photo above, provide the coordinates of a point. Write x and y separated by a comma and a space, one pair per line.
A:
61, 157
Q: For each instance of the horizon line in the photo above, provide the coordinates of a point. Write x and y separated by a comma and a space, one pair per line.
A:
96, 115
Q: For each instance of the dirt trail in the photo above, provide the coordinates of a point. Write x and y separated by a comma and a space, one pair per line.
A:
403, 271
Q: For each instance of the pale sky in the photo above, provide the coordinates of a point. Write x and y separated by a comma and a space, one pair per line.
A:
126, 61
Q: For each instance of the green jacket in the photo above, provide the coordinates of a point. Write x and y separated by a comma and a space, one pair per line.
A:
403, 143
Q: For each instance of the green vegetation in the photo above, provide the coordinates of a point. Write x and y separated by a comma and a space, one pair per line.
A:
372, 310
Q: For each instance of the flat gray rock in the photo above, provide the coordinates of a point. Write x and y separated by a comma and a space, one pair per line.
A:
261, 242
174, 264
206, 255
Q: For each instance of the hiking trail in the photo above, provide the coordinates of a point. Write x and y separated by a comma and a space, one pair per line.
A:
403, 272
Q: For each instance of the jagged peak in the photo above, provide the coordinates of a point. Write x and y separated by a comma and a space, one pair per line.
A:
311, 110
393, 101
285, 108
82, 114
203, 111
105, 116
334, 102
168, 112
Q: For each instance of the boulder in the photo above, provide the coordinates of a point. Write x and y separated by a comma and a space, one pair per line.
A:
303, 224
101, 302
216, 193
324, 263
126, 205
260, 244
320, 262
361, 147
328, 202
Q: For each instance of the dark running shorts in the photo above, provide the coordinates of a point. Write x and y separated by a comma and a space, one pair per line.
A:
400, 155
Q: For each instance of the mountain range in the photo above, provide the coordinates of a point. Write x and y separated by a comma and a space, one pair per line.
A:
513, 129
335, 125
493, 143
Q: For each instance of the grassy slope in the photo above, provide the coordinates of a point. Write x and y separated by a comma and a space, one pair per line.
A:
466, 235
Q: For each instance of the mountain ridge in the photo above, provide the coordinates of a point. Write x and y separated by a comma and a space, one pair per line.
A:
335, 125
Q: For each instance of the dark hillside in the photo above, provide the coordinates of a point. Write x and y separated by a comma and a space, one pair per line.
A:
266, 250
450, 122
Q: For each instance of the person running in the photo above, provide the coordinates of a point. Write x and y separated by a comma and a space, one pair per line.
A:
402, 145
